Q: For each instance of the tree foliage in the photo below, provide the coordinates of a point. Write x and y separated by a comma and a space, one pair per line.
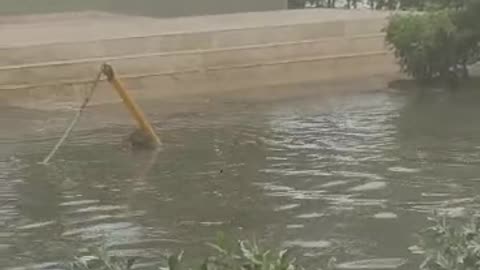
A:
440, 41
381, 4
295, 4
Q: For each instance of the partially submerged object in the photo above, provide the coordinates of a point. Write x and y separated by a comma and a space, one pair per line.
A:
142, 138
139, 140
143, 124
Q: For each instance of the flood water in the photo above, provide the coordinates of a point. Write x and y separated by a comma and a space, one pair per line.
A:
348, 176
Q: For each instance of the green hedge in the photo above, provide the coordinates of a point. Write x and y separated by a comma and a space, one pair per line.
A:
437, 44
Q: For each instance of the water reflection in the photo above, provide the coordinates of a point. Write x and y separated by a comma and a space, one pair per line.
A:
351, 176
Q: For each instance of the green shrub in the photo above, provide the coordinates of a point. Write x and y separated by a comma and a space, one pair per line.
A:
438, 44
467, 20
423, 44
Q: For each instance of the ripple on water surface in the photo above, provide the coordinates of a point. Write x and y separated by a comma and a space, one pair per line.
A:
353, 176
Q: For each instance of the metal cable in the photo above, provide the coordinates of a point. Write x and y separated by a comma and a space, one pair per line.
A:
67, 132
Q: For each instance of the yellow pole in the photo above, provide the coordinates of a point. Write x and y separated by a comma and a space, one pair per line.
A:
132, 107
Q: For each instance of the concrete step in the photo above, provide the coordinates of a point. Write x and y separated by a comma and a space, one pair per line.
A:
347, 67
192, 60
186, 41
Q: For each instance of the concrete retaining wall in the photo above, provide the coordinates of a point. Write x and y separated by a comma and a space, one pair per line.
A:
320, 46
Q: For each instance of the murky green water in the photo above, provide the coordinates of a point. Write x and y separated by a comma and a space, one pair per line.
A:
351, 176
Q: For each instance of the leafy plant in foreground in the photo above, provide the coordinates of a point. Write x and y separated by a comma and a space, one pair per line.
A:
101, 260
239, 255
448, 244
242, 255
451, 244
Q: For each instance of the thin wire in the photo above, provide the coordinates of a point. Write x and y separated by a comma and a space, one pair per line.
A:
67, 132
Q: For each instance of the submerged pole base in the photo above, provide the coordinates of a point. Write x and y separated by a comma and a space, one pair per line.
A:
133, 108
139, 140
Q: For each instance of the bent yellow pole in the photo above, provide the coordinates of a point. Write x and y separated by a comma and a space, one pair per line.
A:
132, 107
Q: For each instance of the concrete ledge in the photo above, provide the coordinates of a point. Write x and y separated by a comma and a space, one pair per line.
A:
85, 27
190, 60
225, 38
213, 80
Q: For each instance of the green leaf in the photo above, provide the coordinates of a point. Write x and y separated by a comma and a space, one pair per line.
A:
175, 260
217, 248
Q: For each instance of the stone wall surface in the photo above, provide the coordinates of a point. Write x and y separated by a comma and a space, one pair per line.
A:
53, 57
